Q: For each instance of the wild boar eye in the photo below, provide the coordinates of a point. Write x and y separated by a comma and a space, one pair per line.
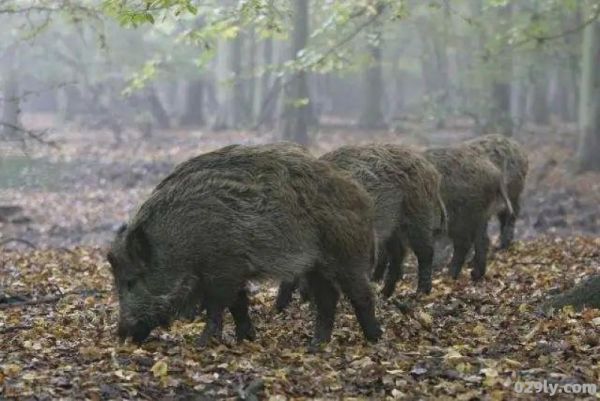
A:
130, 284
111, 260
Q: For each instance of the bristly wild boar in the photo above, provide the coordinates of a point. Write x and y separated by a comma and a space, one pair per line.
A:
509, 157
242, 213
472, 189
408, 208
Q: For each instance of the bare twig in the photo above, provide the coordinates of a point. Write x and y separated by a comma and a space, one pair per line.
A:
50, 299
15, 328
35, 135
42, 300
19, 240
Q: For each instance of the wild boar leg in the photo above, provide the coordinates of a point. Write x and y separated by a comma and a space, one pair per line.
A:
397, 250
421, 242
462, 245
325, 297
355, 285
382, 264
284, 294
481, 245
214, 323
507, 224
244, 329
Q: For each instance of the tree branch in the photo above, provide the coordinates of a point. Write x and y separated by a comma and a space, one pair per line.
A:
35, 135
19, 240
50, 298
277, 86
545, 38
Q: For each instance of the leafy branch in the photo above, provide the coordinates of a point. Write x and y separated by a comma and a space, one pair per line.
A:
278, 85
540, 39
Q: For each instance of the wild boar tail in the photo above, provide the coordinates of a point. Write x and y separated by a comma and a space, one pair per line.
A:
503, 190
443, 214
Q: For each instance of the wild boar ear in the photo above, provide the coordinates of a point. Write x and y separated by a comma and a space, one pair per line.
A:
138, 244
122, 229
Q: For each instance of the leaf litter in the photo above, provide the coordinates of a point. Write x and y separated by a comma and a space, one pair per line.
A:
464, 341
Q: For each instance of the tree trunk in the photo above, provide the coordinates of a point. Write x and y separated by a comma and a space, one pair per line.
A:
238, 100
585, 294
499, 118
572, 75
70, 103
232, 109
250, 82
428, 63
539, 99
158, 111
194, 105
439, 41
589, 105
296, 99
267, 102
10, 122
396, 96
372, 115
518, 102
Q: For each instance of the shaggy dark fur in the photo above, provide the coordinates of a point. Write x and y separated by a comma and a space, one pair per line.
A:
472, 189
408, 208
509, 157
242, 213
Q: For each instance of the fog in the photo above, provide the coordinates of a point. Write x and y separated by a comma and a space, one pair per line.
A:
100, 100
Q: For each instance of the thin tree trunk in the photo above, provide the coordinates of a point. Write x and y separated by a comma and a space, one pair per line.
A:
250, 95
220, 90
194, 105
158, 111
539, 105
572, 77
439, 41
70, 103
267, 103
589, 106
560, 95
238, 101
297, 100
11, 105
372, 114
397, 95
499, 118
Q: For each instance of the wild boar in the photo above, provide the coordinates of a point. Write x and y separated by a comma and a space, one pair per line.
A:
473, 189
404, 187
508, 156
245, 213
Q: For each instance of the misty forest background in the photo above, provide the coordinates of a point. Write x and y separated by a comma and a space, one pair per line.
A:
114, 93
99, 100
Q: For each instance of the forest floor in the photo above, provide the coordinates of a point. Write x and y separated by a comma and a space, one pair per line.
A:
465, 341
